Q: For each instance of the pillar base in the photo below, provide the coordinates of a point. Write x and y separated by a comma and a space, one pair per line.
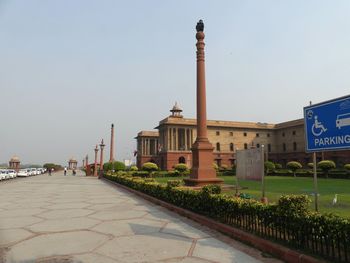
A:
202, 182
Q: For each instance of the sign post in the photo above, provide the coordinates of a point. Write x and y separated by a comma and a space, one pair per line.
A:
327, 128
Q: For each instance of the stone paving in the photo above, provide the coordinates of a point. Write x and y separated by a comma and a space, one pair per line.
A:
83, 219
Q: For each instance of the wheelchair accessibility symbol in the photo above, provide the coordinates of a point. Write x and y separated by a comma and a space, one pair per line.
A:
317, 128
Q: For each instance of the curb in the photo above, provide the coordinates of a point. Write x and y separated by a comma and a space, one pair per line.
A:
277, 250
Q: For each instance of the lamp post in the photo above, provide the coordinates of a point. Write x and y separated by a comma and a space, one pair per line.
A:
102, 145
95, 169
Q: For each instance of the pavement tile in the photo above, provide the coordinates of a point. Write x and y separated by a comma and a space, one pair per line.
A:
55, 245
149, 248
8, 236
215, 250
65, 213
114, 215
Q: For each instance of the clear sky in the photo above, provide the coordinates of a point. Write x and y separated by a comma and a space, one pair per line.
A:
68, 69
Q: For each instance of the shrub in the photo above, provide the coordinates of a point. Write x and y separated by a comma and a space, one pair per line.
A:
310, 165
181, 168
216, 167
149, 167
347, 166
140, 174
223, 167
174, 173
269, 167
114, 166
293, 205
294, 166
211, 189
278, 166
134, 168
325, 166
173, 183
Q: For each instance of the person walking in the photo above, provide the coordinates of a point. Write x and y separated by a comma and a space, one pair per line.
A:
65, 171
74, 172
49, 171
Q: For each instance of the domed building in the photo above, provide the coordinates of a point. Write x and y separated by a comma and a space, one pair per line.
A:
72, 164
14, 163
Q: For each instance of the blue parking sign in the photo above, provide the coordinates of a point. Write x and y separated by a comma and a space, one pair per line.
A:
327, 125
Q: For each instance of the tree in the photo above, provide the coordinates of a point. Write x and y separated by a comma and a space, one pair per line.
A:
278, 166
294, 166
134, 168
181, 168
149, 167
326, 165
269, 167
50, 166
310, 165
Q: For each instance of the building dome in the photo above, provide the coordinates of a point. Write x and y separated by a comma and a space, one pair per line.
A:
15, 159
176, 111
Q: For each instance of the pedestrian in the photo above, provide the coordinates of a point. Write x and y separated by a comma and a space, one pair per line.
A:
74, 172
65, 171
49, 171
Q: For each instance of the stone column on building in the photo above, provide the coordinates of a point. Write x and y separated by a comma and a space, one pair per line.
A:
102, 145
95, 166
111, 154
202, 150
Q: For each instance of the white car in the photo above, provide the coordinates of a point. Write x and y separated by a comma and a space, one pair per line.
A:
3, 175
12, 173
23, 173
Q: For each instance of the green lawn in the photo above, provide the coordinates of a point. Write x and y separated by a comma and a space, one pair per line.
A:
278, 185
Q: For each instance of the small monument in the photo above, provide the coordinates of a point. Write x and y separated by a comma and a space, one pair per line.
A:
72, 164
14, 163
203, 171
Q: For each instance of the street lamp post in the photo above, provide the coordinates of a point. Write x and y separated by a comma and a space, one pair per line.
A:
95, 169
102, 145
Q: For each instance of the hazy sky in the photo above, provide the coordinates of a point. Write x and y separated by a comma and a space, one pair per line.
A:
68, 69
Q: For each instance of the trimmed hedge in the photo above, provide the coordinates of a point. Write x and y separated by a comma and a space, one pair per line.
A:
288, 221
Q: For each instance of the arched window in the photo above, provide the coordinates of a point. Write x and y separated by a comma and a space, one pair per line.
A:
218, 146
258, 145
294, 146
182, 159
232, 147
269, 147
245, 146
284, 147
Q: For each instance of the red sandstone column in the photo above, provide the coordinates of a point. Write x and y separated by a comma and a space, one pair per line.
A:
202, 150
87, 162
102, 145
111, 154
95, 169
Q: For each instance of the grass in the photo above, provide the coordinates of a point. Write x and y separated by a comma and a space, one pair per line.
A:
275, 186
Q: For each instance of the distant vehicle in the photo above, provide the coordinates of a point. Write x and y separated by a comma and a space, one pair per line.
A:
343, 120
3, 175
12, 174
23, 173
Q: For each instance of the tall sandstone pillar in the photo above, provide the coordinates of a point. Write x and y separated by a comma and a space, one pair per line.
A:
203, 171
111, 154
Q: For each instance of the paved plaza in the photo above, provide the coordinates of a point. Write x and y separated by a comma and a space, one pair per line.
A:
83, 219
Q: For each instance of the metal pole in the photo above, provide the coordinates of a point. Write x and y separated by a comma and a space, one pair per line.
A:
315, 182
263, 198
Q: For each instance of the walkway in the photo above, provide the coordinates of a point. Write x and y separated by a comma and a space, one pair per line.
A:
82, 219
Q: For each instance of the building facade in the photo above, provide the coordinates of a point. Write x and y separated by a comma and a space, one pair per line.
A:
171, 144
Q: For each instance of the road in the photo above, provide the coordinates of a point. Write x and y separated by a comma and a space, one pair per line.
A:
82, 219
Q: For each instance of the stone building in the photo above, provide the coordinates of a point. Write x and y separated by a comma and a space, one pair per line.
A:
14, 163
171, 144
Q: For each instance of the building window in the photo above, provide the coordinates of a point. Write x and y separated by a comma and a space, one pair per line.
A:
258, 145
182, 159
269, 148
245, 134
283, 134
284, 147
217, 133
268, 135
245, 146
231, 147
231, 133
294, 132
218, 146
294, 146
257, 135
218, 162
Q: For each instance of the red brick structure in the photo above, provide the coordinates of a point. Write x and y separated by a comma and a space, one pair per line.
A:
147, 147
14, 163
